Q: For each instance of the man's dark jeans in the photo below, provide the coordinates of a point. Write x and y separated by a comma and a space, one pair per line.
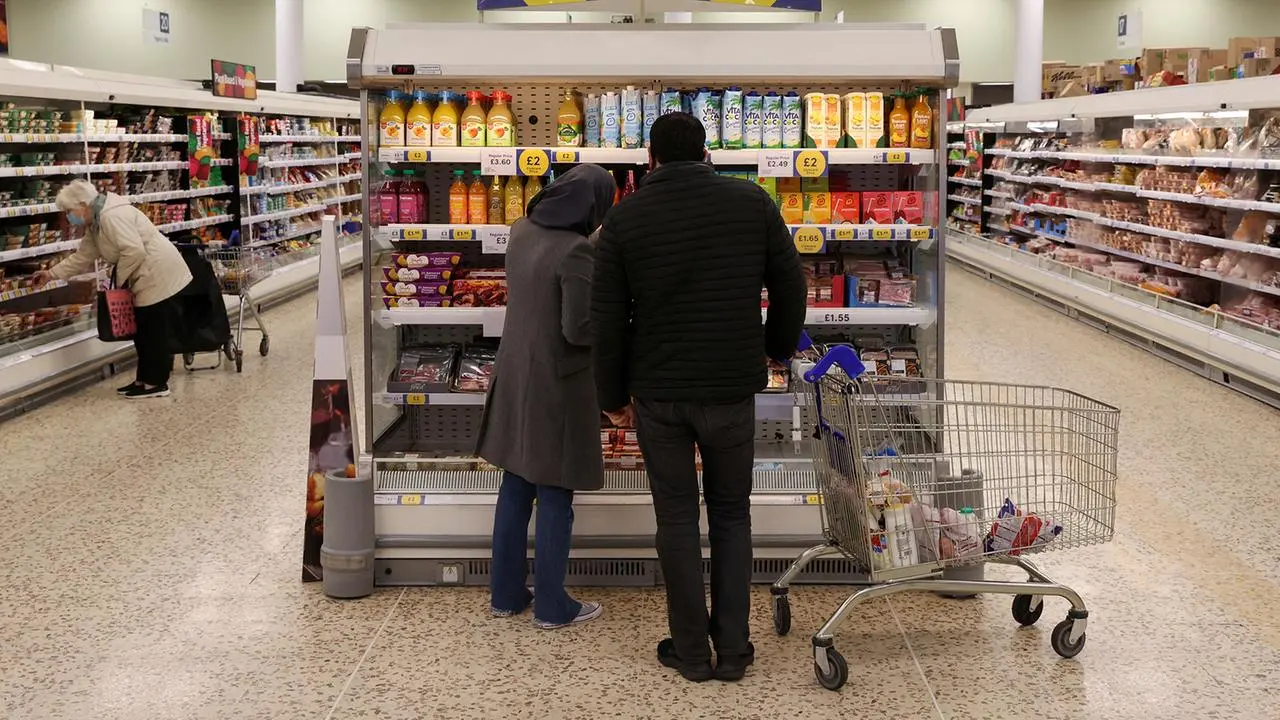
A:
724, 434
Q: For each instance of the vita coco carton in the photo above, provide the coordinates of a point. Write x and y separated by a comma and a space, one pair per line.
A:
855, 120
875, 119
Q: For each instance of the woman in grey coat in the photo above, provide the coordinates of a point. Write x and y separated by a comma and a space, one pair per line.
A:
541, 421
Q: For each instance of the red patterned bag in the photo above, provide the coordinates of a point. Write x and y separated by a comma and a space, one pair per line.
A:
116, 320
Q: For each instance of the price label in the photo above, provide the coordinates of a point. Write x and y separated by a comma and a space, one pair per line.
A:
837, 318
498, 161
895, 157
494, 242
417, 156
533, 162
411, 234
920, 233
415, 399
567, 156
844, 233
809, 239
776, 163
462, 234
882, 233
410, 499
811, 163
812, 499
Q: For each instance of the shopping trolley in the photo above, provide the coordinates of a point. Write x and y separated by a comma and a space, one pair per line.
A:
918, 475
238, 269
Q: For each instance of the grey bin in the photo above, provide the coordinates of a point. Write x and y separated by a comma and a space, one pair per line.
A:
347, 552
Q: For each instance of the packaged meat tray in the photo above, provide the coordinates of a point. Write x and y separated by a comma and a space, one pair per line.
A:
475, 369
479, 293
424, 369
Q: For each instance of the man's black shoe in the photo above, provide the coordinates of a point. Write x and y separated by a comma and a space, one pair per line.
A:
699, 672
732, 668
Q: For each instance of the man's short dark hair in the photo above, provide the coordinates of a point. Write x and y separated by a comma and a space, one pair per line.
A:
677, 137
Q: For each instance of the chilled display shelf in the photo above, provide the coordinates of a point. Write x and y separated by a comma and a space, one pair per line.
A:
26, 292
196, 223
1001, 194
495, 237
49, 170
308, 138
971, 182
295, 233
965, 200
281, 189
305, 162
344, 199
281, 215
1229, 162
618, 156
492, 319
998, 210
38, 250
770, 403
46, 139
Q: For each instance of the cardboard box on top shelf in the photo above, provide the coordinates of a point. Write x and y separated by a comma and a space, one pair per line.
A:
1267, 47
1221, 73
1257, 67
1200, 62
1056, 78
1076, 88
1047, 69
1151, 61
1239, 48
1177, 59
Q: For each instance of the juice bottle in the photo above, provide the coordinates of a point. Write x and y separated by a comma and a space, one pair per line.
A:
418, 121
386, 207
501, 123
921, 123
569, 122
496, 207
899, 123
444, 122
458, 199
477, 201
513, 200
531, 190
473, 122
630, 185
391, 121
409, 198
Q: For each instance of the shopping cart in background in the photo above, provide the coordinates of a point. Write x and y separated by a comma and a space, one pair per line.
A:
237, 269
918, 475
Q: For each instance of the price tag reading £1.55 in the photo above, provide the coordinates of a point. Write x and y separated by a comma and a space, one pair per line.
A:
498, 161
494, 241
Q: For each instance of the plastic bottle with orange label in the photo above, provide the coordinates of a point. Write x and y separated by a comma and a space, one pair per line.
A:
418, 121
391, 122
458, 199
473, 132
477, 200
921, 123
899, 123
444, 122
501, 122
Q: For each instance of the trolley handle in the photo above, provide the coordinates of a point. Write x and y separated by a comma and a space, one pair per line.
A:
841, 355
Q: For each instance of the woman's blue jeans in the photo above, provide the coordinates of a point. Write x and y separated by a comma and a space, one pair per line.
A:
551, 603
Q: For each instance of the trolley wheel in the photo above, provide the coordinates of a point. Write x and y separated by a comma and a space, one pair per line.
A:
264, 346
781, 614
839, 673
188, 359
239, 360
1061, 639
1023, 611
229, 349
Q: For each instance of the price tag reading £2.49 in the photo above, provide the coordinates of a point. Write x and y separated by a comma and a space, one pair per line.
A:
776, 163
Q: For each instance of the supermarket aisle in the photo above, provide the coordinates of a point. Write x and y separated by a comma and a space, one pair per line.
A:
152, 565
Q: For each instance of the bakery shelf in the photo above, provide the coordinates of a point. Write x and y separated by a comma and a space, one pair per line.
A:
38, 250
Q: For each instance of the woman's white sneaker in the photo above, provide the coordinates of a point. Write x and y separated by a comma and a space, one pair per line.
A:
588, 611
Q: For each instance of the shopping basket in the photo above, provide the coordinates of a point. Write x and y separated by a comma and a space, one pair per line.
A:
918, 475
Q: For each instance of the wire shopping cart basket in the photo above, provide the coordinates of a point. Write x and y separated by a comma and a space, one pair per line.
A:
238, 269
918, 475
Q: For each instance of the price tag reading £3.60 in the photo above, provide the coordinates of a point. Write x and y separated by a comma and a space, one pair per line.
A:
494, 241
498, 161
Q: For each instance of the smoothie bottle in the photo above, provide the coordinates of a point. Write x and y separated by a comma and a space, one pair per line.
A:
899, 123
921, 123
495, 207
513, 200
477, 200
501, 123
473, 132
418, 121
458, 199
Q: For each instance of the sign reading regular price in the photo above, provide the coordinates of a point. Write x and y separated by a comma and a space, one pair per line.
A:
498, 161
792, 163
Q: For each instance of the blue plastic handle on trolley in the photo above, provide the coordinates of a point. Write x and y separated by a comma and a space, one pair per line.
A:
841, 355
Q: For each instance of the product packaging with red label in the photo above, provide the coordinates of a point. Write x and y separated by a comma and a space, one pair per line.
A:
846, 208
877, 208
908, 208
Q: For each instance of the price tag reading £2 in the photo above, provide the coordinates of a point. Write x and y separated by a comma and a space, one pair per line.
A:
776, 163
494, 241
498, 161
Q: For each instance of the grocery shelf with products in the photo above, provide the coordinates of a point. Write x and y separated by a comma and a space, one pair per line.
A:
170, 148
1156, 213
845, 139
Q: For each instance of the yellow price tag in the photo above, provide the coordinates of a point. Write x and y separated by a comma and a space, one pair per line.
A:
919, 233
410, 499
462, 234
882, 233
533, 162
415, 399
895, 157
417, 156
811, 163
812, 499
844, 233
809, 239
567, 156
411, 234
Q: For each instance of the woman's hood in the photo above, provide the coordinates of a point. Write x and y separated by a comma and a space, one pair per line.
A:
575, 201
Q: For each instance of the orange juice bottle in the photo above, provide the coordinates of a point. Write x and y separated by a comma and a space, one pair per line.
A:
899, 123
418, 121
477, 201
496, 207
513, 200
472, 133
458, 199
501, 121
444, 122
921, 123
531, 190
391, 122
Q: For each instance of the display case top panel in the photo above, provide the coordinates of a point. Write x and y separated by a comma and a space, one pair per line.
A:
1245, 94
705, 53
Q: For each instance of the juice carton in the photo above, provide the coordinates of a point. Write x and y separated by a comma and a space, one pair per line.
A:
792, 206
610, 120
877, 208
831, 108
753, 121
789, 184
815, 120
855, 120
731, 119
875, 119
792, 130
632, 118
591, 120
650, 107
770, 186
713, 118
772, 130
908, 208
670, 102
817, 208
845, 208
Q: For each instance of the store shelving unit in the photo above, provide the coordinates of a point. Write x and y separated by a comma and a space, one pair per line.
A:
1118, 227
434, 499
133, 136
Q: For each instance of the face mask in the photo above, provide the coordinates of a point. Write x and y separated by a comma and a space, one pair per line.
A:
74, 219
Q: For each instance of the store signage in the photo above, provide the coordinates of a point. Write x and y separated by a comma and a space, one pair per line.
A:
1129, 30
156, 27
809, 239
810, 5
792, 163
234, 80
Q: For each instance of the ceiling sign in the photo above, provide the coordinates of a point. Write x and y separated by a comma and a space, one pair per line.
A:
811, 5
508, 4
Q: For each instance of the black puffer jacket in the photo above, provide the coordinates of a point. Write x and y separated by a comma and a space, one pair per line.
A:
676, 293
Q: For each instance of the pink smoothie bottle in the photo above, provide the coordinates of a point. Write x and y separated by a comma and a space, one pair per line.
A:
388, 202
409, 200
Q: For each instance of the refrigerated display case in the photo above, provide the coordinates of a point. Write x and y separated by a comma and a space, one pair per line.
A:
434, 500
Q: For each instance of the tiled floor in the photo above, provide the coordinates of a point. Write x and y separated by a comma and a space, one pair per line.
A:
151, 570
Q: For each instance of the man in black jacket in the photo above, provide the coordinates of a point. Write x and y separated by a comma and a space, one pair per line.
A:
676, 311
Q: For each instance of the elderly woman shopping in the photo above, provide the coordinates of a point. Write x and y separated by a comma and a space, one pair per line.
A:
144, 261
